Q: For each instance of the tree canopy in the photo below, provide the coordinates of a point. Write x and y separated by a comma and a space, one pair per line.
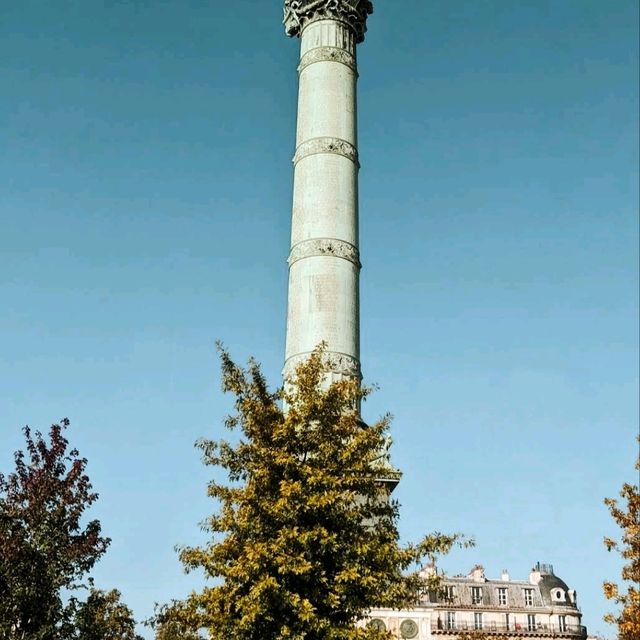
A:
45, 546
104, 617
171, 630
304, 539
626, 514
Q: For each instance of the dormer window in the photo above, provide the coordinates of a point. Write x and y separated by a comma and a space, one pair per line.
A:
559, 595
476, 595
449, 592
502, 596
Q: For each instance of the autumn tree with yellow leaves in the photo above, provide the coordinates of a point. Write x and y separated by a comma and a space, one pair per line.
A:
626, 513
302, 542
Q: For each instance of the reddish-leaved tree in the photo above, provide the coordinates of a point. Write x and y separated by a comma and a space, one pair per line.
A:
46, 546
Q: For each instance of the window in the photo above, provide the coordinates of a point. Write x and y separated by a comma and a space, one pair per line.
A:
528, 597
476, 595
531, 622
507, 626
502, 595
562, 623
477, 621
451, 619
449, 592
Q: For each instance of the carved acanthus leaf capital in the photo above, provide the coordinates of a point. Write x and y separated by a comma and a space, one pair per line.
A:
299, 13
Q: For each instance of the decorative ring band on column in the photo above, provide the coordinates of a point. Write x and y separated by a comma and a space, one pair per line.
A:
326, 145
333, 361
328, 54
325, 247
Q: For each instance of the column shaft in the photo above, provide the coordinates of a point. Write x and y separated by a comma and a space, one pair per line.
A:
324, 260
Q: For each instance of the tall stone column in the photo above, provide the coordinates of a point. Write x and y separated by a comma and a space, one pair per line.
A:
324, 261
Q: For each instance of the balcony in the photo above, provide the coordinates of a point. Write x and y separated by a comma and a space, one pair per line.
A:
513, 629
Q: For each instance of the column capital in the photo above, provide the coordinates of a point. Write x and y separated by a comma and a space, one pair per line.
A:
299, 13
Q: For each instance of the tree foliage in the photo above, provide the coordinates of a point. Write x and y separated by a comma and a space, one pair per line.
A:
172, 630
44, 545
104, 617
304, 541
626, 514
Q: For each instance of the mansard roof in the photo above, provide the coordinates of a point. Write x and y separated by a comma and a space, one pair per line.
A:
543, 589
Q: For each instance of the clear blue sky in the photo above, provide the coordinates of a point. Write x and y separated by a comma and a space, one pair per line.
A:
145, 204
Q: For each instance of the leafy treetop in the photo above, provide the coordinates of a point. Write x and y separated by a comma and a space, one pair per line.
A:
104, 617
304, 540
44, 545
175, 631
627, 516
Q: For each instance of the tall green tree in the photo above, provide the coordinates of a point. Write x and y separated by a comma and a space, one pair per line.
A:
626, 514
45, 546
103, 616
304, 541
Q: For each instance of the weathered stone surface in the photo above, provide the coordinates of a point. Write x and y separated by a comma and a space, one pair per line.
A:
299, 13
324, 261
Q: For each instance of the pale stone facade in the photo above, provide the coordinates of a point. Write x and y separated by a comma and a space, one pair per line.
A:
541, 607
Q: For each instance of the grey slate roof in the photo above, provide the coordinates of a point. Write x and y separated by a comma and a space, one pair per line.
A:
550, 591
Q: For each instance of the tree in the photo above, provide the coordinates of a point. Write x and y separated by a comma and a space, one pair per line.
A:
44, 545
627, 517
175, 631
104, 617
305, 541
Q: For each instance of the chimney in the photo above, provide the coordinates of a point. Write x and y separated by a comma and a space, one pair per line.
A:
535, 576
477, 573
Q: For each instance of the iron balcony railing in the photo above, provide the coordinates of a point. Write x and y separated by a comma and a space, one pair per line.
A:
513, 628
